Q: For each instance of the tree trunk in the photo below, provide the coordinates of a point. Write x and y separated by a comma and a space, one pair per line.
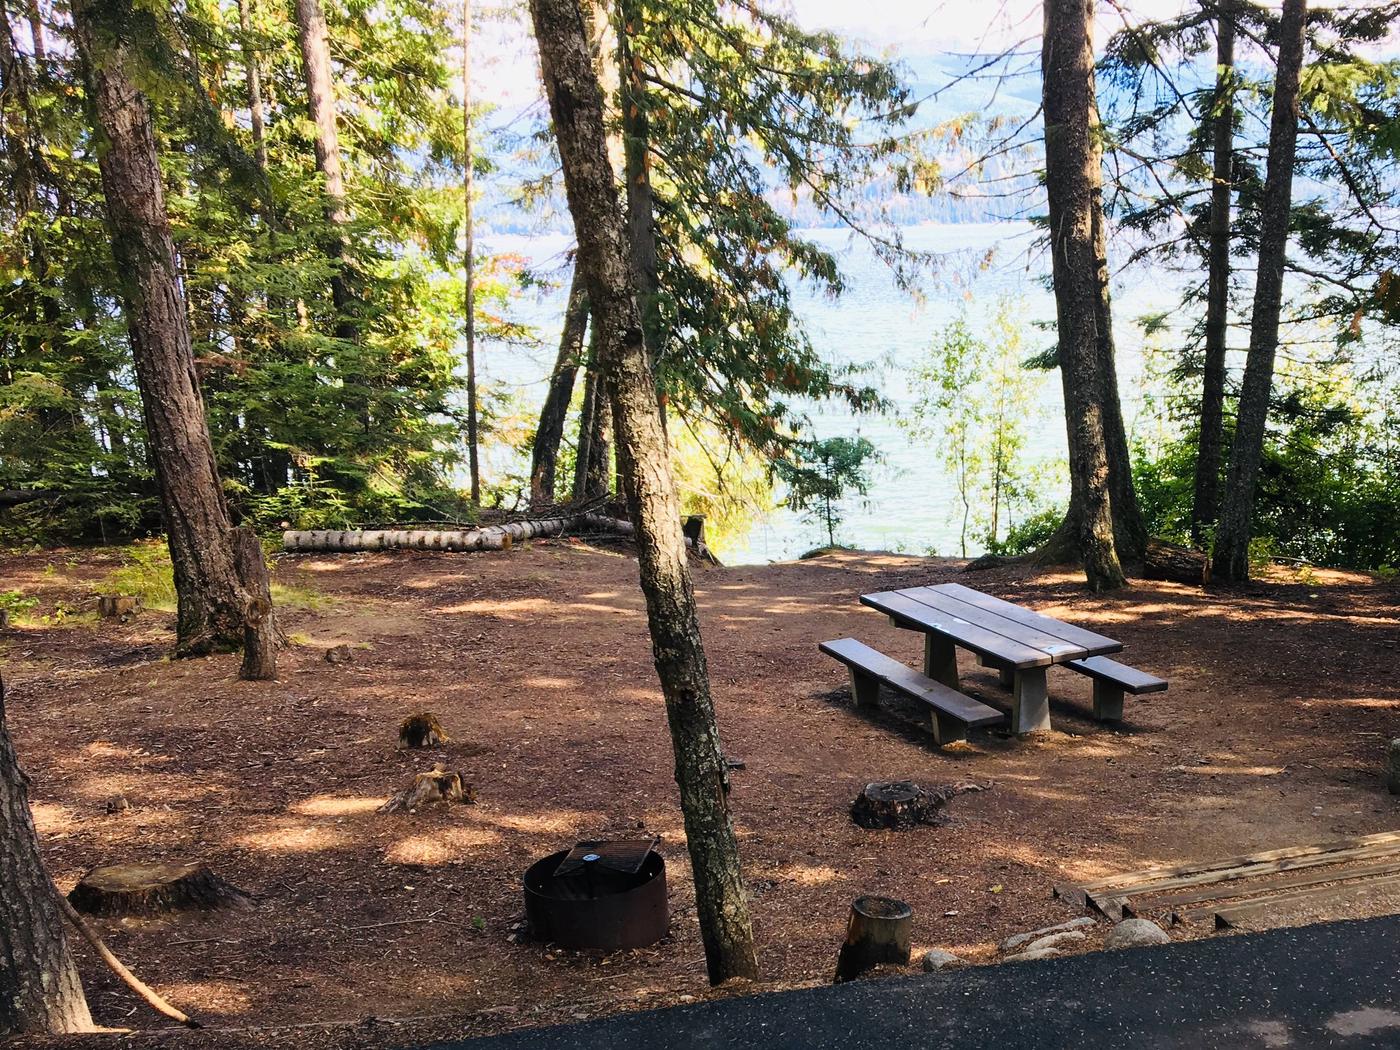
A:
545, 456
1129, 530
593, 466
468, 262
36, 32
1073, 179
320, 98
40, 992
641, 205
1205, 503
253, 77
1231, 561
576, 103
212, 599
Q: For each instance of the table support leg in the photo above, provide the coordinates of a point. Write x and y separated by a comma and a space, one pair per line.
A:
1030, 707
941, 661
865, 691
1108, 702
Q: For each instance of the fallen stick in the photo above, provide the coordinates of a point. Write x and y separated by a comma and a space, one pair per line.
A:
152, 998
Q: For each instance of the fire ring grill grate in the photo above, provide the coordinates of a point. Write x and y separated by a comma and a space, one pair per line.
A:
605, 895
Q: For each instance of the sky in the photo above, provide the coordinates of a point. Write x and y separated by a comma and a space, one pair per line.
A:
900, 26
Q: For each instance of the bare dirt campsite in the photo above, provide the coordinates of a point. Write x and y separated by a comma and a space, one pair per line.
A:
538, 664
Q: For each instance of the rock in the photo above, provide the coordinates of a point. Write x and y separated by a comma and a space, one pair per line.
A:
1055, 939
1135, 933
1032, 956
936, 959
1012, 943
339, 654
1392, 768
987, 561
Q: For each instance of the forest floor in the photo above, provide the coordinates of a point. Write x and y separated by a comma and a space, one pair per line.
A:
408, 927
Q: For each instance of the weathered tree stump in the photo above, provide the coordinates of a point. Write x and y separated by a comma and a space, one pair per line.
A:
422, 730
261, 635
877, 934
435, 788
153, 889
1167, 561
112, 606
340, 654
904, 804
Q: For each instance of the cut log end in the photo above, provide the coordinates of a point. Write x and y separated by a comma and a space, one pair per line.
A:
877, 934
422, 730
153, 889
899, 804
439, 787
117, 606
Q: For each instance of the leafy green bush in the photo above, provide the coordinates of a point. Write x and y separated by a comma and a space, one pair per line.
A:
1027, 536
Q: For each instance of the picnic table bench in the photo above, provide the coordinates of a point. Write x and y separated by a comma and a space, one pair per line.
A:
1019, 643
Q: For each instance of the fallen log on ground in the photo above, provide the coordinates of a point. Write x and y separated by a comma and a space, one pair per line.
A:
1167, 561
484, 538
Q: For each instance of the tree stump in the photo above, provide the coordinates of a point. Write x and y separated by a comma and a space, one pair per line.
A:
112, 606
901, 804
1167, 561
435, 788
261, 635
422, 730
153, 889
877, 934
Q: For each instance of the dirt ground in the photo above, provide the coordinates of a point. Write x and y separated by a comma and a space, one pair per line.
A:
409, 927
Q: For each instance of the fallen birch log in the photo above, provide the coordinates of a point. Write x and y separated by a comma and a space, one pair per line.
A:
486, 538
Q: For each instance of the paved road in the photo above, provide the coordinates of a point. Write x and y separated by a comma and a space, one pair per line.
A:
1333, 985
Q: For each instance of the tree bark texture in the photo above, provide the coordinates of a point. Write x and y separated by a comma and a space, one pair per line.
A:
1231, 559
636, 155
314, 40
1206, 498
1129, 530
211, 597
1073, 176
40, 992
544, 457
576, 104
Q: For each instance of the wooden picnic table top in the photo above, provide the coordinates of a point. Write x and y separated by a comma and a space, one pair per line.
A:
1009, 634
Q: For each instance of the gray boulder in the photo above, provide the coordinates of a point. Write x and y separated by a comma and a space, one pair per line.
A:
1135, 933
936, 959
1012, 943
1055, 940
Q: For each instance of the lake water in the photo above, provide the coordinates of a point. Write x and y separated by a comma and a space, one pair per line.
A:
912, 504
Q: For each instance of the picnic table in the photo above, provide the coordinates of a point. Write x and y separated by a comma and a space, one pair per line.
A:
1020, 643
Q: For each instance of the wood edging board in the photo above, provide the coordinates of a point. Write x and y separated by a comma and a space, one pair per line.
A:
1143, 875
1112, 904
1288, 882
1234, 914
